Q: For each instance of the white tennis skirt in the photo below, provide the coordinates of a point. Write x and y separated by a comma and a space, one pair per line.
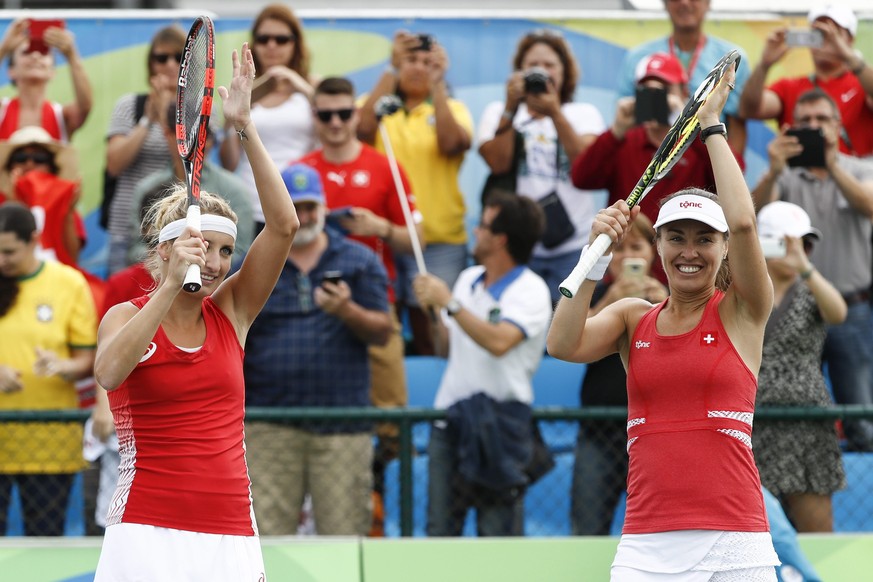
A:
145, 553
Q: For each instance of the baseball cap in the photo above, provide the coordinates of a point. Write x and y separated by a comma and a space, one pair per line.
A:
778, 219
692, 207
661, 66
839, 13
303, 183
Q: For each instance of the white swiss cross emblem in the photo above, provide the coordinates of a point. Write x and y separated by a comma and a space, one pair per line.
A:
361, 179
709, 339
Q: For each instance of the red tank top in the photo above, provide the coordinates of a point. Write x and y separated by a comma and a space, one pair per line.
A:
179, 418
691, 400
52, 119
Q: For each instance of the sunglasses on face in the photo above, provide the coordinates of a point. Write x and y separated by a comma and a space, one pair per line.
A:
22, 157
279, 39
325, 115
162, 58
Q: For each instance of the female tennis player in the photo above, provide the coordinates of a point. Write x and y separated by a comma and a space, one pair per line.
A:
695, 511
172, 362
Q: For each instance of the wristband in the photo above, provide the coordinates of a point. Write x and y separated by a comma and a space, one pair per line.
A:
718, 128
860, 68
391, 69
144, 121
508, 115
807, 273
599, 269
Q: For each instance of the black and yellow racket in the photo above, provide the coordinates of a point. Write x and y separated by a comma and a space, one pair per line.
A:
678, 138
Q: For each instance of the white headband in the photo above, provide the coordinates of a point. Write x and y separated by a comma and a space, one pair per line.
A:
207, 222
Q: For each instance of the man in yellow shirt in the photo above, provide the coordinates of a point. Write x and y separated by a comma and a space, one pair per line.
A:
48, 332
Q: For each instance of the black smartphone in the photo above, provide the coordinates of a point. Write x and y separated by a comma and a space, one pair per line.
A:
813, 142
651, 105
425, 41
332, 277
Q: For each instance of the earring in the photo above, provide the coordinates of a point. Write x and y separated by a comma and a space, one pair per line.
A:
166, 259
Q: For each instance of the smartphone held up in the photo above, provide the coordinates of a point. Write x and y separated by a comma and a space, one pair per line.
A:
36, 34
804, 37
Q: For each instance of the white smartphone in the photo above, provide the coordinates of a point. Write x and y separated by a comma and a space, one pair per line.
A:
806, 37
634, 267
774, 248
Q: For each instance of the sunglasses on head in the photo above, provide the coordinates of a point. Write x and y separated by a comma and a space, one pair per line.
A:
22, 157
280, 39
325, 115
162, 58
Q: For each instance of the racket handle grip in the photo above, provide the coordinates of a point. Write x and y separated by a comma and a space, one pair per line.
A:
574, 280
192, 282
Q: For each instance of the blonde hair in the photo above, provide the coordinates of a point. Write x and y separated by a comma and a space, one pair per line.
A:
173, 206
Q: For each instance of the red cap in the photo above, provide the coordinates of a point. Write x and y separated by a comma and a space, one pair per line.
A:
663, 67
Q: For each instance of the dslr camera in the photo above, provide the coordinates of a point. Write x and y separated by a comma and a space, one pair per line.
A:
536, 80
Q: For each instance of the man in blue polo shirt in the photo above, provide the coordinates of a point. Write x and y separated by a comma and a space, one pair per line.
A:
308, 347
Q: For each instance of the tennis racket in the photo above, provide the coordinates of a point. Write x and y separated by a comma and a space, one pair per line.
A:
193, 108
678, 138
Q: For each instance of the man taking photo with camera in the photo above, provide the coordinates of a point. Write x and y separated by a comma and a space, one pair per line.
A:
837, 193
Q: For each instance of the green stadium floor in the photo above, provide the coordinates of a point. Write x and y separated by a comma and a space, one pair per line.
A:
837, 557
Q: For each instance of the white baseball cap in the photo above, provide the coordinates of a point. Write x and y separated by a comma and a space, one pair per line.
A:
692, 207
839, 13
778, 219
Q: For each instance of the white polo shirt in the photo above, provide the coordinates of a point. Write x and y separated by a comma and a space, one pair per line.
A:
521, 298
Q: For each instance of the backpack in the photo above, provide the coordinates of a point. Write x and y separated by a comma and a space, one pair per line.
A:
110, 182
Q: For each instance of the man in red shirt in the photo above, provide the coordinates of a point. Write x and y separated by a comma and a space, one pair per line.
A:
360, 190
840, 71
619, 156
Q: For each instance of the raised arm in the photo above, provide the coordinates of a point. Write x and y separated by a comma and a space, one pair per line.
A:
577, 336
498, 149
756, 101
251, 286
75, 113
751, 287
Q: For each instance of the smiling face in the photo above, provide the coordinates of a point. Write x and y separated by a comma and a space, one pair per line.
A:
219, 253
691, 252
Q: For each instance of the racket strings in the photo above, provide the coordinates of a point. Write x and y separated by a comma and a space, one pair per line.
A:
192, 98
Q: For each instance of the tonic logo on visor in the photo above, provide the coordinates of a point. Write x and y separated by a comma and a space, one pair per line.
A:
688, 204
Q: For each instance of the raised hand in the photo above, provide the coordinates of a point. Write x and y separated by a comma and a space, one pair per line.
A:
237, 99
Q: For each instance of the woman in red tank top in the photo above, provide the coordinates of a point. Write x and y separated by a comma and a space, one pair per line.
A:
172, 363
695, 509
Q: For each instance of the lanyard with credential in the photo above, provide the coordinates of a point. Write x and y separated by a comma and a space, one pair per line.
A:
689, 72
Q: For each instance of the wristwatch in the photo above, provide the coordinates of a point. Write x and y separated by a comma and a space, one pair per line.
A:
718, 128
453, 307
